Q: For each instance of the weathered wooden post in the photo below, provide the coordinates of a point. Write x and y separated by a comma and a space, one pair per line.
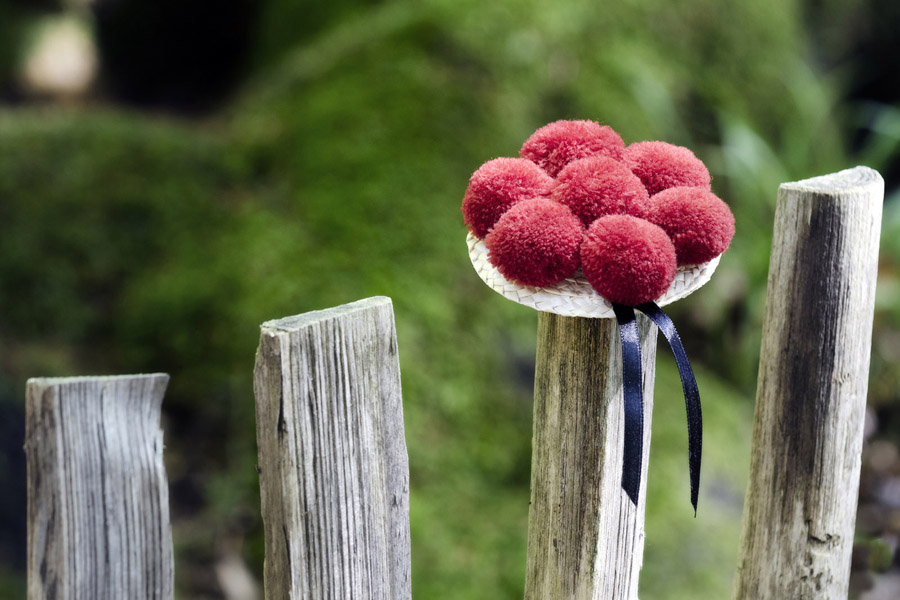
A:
585, 537
98, 500
334, 472
811, 396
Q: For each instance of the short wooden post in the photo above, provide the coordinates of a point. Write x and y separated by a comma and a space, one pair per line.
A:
811, 396
585, 537
98, 500
333, 466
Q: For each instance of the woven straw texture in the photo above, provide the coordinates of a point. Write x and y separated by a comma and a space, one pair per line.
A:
574, 296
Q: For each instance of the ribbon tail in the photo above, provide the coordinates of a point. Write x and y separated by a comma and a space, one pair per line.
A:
634, 401
691, 393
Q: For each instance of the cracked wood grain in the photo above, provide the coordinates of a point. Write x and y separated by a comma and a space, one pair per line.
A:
585, 537
811, 396
98, 499
334, 475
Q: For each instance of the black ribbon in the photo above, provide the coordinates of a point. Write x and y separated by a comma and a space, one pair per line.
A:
634, 400
634, 397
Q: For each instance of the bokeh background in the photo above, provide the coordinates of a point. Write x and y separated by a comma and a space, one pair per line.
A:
174, 173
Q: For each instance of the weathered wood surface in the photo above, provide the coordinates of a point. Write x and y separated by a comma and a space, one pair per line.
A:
98, 499
585, 537
811, 396
334, 472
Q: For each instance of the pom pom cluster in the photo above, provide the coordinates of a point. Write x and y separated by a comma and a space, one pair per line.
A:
578, 197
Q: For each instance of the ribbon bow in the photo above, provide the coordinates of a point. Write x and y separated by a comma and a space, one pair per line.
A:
634, 397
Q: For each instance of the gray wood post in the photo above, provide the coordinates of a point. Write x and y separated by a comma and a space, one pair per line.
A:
811, 396
334, 476
98, 500
585, 537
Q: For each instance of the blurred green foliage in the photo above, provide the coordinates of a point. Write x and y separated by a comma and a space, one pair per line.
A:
11, 37
143, 243
11, 584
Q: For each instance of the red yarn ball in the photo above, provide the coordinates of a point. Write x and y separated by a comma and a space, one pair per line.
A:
597, 186
536, 243
700, 224
555, 145
628, 260
496, 186
661, 166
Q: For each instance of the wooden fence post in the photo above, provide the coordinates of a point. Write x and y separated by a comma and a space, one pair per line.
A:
811, 396
98, 499
585, 537
334, 474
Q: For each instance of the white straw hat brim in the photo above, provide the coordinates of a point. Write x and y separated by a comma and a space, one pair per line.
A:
574, 296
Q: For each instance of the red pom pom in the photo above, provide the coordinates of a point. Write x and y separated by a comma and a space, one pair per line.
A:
700, 224
496, 186
628, 260
661, 166
597, 186
536, 243
555, 145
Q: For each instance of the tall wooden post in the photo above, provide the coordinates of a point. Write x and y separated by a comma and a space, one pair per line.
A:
98, 500
585, 537
811, 396
334, 474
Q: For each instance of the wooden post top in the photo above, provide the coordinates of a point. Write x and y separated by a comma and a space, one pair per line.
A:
843, 181
298, 322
